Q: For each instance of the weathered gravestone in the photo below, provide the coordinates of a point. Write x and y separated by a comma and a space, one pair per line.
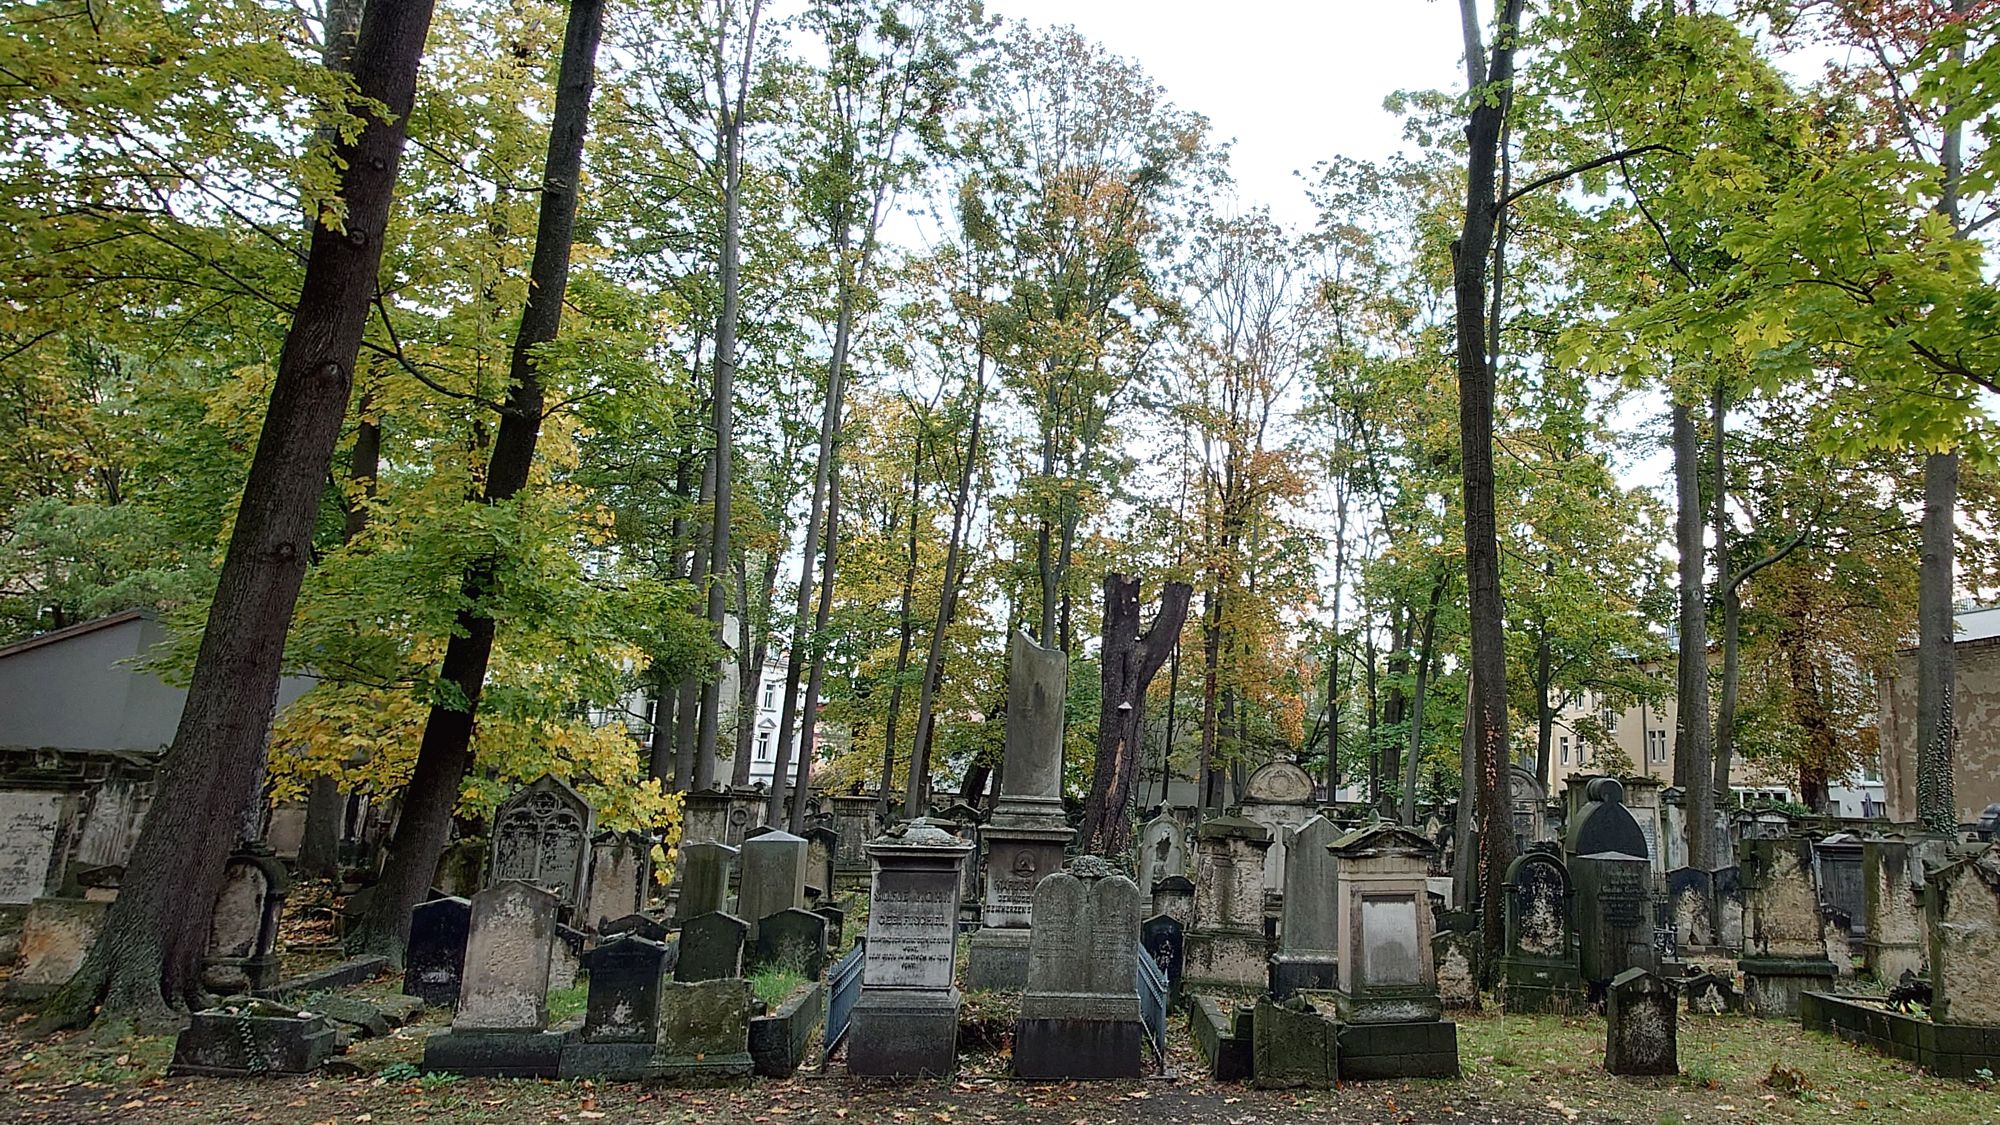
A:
541, 836
774, 876
822, 854
1023, 840
638, 925
1386, 998
704, 878
1456, 953
1293, 1046
1226, 943
854, 818
1843, 890
711, 948
1614, 915
1080, 1017
1784, 951
705, 818
621, 873
1963, 899
1893, 881
1711, 994
795, 938
1603, 823
434, 959
836, 924
1279, 796
1308, 931
1641, 1020
257, 1038
32, 824
704, 1032
1691, 903
1729, 907
242, 952
906, 1020
621, 1020
1165, 938
1162, 851
1538, 973
54, 939
1174, 896
565, 958
501, 1026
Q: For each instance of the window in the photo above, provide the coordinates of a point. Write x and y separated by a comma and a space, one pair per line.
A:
1610, 719
770, 696
764, 747
1562, 743
1656, 746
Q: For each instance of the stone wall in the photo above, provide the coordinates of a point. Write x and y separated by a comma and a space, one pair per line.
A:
1976, 703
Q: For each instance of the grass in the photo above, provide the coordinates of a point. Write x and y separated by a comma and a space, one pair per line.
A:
775, 982
566, 1004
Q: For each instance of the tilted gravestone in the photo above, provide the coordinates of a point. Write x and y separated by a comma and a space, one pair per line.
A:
704, 878
242, 953
500, 1028
1641, 1020
541, 836
793, 938
711, 948
1080, 1016
1308, 935
434, 960
621, 1018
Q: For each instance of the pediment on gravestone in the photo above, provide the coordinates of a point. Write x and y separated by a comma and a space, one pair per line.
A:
637, 924
823, 836
1278, 783
541, 835
1382, 840
1174, 885
1233, 824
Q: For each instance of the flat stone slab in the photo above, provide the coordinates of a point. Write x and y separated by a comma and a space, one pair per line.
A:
1424, 1049
236, 1045
345, 974
496, 1054
1060, 1049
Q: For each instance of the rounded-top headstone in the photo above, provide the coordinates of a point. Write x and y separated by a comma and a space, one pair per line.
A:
1278, 783
1604, 789
1605, 824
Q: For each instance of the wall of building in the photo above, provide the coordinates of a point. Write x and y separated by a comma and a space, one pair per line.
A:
1976, 706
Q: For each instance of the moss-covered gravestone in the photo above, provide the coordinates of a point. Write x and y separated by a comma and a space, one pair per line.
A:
1641, 1025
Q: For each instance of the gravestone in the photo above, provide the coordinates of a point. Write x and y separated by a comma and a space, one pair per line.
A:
704, 1032
252, 1040
541, 835
792, 937
1023, 841
434, 959
1174, 896
1528, 802
822, 850
621, 1019
1710, 994
1784, 950
638, 925
1308, 932
704, 878
1456, 952
111, 826
836, 924
1226, 943
1893, 881
1162, 851
1386, 993
621, 874
242, 952
854, 819
906, 1019
1279, 796
1729, 907
1604, 824
501, 1026
1641, 1021
1691, 903
1080, 1017
1614, 916
1165, 937
1842, 888
705, 818
1641, 797
54, 939
31, 827
565, 958
711, 948
1538, 971
1963, 901
1293, 1047
774, 876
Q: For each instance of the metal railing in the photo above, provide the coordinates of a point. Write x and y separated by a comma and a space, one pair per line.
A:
1151, 984
843, 986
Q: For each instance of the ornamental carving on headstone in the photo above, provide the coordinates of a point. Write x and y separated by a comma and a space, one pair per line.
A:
541, 835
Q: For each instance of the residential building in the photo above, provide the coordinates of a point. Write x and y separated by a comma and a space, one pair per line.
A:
1975, 706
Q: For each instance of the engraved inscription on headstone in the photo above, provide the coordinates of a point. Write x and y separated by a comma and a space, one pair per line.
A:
28, 825
541, 835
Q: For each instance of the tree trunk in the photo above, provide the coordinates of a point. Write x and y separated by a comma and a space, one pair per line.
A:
1732, 613
444, 754
146, 960
1211, 656
1937, 726
905, 635
1475, 412
1127, 664
809, 707
760, 653
1412, 759
687, 709
660, 740
1545, 712
746, 681
1694, 766
920, 751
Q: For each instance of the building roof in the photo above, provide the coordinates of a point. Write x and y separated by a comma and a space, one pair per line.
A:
69, 632
1978, 623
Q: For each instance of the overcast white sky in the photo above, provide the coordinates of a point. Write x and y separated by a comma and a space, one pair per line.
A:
1292, 82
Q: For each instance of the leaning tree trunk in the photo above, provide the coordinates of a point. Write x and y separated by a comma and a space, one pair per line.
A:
1129, 661
445, 752
1694, 765
1475, 415
146, 960
1937, 727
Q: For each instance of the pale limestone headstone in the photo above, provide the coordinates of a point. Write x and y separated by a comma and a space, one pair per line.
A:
30, 822
1964, 900
1279, 796
54, 939
507, 955
621, 872
1162, 850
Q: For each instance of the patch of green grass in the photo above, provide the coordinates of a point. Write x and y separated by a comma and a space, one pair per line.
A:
568, 1003
775, 982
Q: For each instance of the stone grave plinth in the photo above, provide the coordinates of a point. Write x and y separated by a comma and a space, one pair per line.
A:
501, 1027
259, 1038
1080, 1017
1641, 1020
1386, 997
621, 1019
1538, 973
1784, 952
1294, 1046
1893, 881
1225, 943
906, 1019
1308, 934
1022, 842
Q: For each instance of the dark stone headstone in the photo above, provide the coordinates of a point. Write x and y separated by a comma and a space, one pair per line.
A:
638, 925
1614, 911
836, 923
1538, 971
1174, 895
624, 1003
1710, 994
1165, 937
711, 948
1604, 824
704, 1032
796, 937
434, 961
1641, 1020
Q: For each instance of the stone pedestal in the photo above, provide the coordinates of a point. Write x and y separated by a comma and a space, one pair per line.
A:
905, 1022
704, 1033
1385, 927
1785, 933
242, 1044
1017, 859
1225, 944
1892, 880
1080, 1017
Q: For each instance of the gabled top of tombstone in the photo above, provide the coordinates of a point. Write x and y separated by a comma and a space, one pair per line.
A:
1381, 840
1278, 783
918, 836
1605, 824
1233, 824
824, 835
1174, 885
764, 835
527, 820
1639, 980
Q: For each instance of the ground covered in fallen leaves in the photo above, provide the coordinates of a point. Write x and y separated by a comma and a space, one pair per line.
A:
1518, 1069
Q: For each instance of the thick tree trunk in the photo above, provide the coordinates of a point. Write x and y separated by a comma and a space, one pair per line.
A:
1211, 669
1475, 413
1732, 609
1694, 766
1128, 662
1937, 725
729, 274
445, 753
146, 960
660, 740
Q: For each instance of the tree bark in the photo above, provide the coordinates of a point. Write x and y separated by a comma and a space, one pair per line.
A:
1211, 657
146, 960
1694, 764
815, 677
1937, 726
760, 652
1127, 664
444, 754
1475, 406
687, 708
1425, 659
905, 632
1732, 609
